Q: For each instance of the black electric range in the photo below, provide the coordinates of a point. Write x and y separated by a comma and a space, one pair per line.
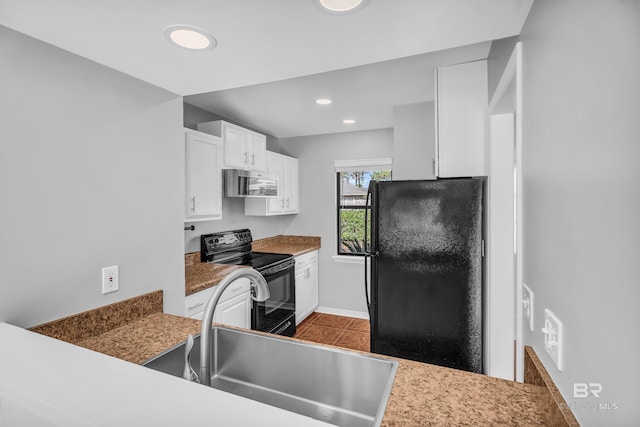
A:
276, 314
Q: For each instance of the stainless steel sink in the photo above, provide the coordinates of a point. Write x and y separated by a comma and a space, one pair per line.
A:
336, 386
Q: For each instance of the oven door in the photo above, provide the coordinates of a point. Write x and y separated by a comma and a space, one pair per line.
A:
273, 314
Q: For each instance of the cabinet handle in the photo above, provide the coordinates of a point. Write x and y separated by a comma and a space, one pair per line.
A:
308, 273
234, 290
244, 157
433, 166
195, 306
287, 203
282, 203
253, 159
193, 204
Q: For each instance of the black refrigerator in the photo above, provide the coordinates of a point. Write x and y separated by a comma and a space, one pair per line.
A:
426, 270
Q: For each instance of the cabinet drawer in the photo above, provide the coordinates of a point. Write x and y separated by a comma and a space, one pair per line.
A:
196, 303
302, 261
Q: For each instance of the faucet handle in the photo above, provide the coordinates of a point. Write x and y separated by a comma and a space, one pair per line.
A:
188, 373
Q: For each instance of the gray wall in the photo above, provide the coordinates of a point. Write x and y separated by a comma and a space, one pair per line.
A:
90, 176
342, 285
581, 104
498, 57
193, 115
233, 218
414, 143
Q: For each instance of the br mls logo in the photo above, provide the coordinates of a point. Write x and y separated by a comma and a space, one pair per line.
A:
582, 390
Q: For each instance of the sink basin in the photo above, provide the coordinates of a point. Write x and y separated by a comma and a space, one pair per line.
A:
336, 386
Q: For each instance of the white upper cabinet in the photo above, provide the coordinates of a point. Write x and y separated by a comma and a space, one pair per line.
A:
203, 155
290, 187
461, 119
275, 166
257, 151
286, 168
243, 148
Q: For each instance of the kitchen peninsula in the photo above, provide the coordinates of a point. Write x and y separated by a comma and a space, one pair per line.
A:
422, 394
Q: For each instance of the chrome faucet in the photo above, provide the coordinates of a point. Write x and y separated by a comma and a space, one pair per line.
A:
260, 292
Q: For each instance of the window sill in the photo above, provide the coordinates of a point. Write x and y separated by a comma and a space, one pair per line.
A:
346, 259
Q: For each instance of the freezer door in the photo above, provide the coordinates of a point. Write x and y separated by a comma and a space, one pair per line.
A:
427, 290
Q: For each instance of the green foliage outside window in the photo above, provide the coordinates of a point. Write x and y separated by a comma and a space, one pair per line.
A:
352, 230
351, 208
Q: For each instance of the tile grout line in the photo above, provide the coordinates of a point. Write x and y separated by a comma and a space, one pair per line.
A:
339, 336
312, 322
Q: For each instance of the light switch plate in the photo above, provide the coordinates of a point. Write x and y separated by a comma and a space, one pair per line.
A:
553, 338
527, 305
110, 279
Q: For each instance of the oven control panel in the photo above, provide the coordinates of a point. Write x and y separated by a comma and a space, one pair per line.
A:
217, 243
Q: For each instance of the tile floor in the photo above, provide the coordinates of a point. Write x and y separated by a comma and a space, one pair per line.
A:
341, 331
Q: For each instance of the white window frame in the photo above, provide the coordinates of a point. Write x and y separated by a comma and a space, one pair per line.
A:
375, 164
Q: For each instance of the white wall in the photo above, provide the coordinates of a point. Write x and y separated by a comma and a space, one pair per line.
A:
414, 141
341, 285
90, 176
581, 152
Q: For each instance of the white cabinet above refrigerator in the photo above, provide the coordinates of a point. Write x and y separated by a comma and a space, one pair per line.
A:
461, 120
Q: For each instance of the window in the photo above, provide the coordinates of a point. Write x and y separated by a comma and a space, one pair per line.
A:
352, 182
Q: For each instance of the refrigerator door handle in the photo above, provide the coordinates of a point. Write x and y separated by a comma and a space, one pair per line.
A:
367, 250
368, 258
366, 284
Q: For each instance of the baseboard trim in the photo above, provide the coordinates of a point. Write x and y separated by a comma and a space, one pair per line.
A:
341, 312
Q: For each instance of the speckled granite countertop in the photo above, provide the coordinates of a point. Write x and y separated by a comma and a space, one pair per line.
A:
429, 395
134, 329
144, 338
294, 245
422, 394
201, 275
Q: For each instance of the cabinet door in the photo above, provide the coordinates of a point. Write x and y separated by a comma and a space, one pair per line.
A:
236, 154
313, 286
290, 178
306, 285
286, 168
235, 311
461, 106
303, 296
203, 177
257, 149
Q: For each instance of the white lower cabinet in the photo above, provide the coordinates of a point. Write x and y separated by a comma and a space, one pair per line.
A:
234, 306
306, 285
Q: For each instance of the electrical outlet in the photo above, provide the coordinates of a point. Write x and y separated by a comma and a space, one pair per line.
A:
110, 281
527, 305
553, 338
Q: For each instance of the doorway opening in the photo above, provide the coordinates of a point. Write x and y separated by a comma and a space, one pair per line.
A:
505, 349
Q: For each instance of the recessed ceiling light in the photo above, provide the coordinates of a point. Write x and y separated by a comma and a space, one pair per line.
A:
323, 101
340, 7
348, 121
189, 37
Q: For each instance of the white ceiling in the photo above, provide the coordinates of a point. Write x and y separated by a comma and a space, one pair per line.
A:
366, 94
262, 41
